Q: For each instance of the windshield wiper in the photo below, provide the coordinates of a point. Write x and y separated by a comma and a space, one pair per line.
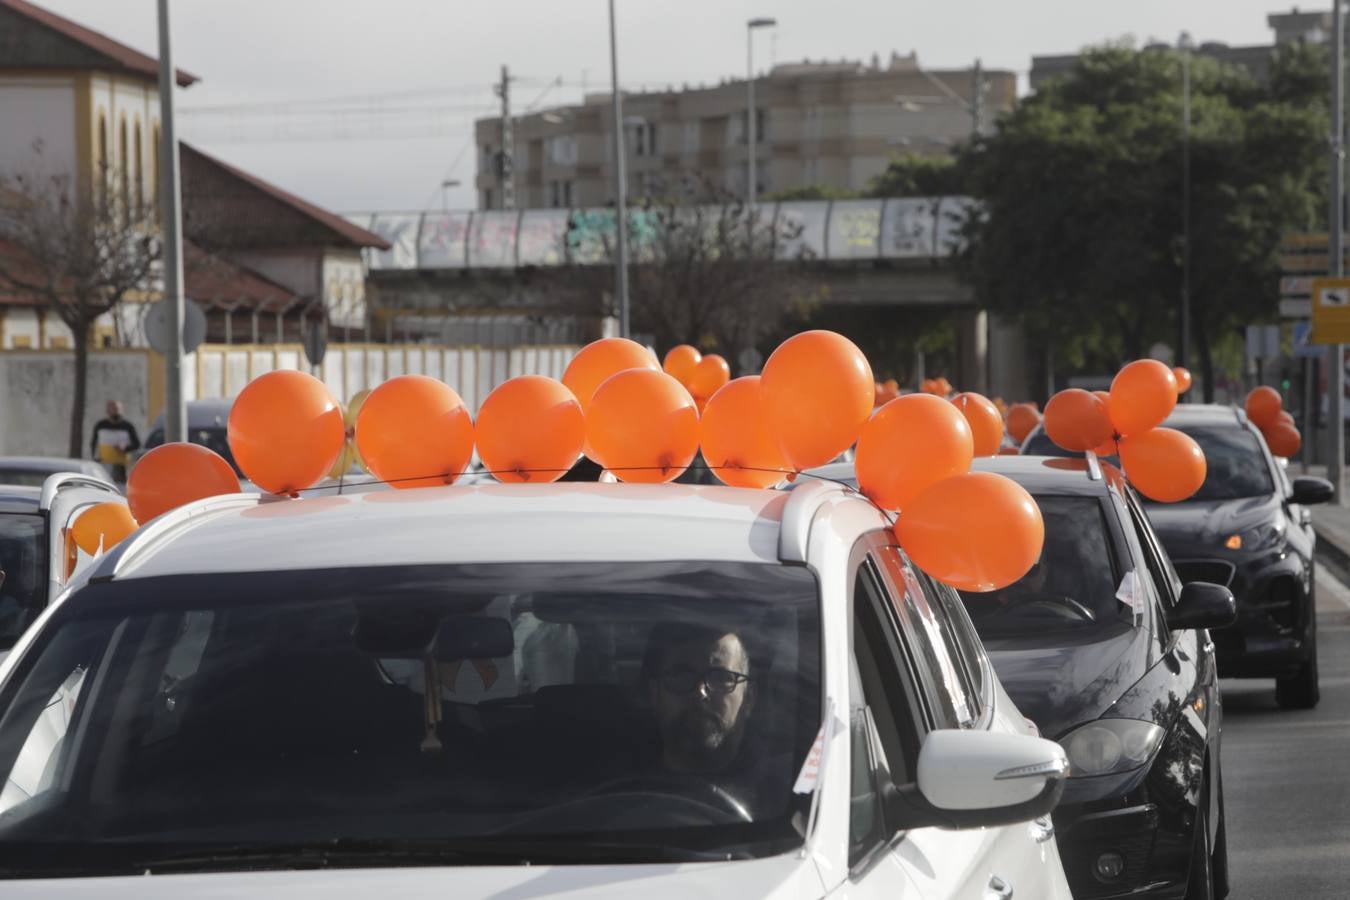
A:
350, 853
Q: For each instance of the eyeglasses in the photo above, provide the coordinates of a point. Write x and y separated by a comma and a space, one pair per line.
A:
684, 680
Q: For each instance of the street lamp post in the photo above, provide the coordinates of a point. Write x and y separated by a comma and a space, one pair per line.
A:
175, 405
620, 185
751, 186
1184, 351
1336, 375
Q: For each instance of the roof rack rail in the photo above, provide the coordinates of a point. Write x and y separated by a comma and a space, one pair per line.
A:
116, 560
55, 482
1094, 466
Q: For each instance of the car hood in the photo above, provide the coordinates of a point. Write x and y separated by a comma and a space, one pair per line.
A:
1208, 523
777, 878
1062, 686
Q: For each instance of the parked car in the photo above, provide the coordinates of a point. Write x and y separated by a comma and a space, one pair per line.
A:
498, 689
1249, 527
1103, 648
33, 471
206, 425
33, 523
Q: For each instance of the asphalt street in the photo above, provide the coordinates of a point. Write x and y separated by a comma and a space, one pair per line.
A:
1286, 774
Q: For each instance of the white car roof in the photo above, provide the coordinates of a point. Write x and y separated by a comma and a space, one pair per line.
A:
565, 522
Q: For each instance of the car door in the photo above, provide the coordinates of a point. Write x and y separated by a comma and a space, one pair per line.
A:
914, 676
64, 497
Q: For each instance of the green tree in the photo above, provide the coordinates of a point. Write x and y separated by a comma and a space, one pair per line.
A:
912, 175
1079, 235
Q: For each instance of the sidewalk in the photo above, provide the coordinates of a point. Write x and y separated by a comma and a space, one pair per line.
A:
1332, 524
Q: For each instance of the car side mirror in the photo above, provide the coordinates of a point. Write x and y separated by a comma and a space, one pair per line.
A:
979, 779
1203, 605
1309, 491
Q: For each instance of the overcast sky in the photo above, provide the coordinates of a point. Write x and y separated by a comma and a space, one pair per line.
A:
439, 59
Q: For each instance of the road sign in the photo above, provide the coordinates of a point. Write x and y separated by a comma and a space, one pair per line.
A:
1263, 342
1304, 348
159, 333
1331, 311
1296, 286
1291, 308
314, 335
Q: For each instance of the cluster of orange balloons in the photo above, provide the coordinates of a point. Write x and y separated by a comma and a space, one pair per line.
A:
940, 387
702, 376
1265, 407
1162, 463
1022, 419
885, 391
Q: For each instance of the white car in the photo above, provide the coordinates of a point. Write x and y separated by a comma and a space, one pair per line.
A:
518, 691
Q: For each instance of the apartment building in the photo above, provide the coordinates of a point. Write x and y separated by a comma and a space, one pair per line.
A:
819, 124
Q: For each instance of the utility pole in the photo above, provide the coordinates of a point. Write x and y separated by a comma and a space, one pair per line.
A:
1184, 351
977, 100
506, 160
175, 406
1336, 375
620, 180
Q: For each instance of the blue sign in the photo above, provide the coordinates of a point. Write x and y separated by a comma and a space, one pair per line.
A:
1303, 346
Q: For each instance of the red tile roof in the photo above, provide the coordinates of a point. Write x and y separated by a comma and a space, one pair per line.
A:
118, 53
215, 282
333, 222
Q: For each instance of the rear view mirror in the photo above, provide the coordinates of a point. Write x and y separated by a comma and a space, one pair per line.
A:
1309, 491
1203, 605
979, 779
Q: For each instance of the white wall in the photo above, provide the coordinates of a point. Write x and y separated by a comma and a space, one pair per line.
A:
36, 390
299, 271
37, 110
116, 100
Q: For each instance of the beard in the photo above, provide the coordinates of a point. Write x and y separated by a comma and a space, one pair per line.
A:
701, 732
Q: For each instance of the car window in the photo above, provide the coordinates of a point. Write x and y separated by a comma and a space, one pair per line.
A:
514, 702
1074, 587
884, 715
23, 582
935, 644
1235, 462
958, 627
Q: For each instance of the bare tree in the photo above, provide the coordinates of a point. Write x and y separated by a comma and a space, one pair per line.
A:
704, 271
79, 251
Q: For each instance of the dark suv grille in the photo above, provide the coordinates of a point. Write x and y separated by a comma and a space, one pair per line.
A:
1215, 571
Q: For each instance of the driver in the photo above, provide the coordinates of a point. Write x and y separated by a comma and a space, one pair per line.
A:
699, 680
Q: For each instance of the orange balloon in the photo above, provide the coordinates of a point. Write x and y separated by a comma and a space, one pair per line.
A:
1022, 418
102, 525
878, 395
737, 441
1108, 448
1183, 377
413, 431
680, 362
643, 426
1283, 439
1284, 417
600, 359
985, 421
818, 392
1009, 451
891, 387
944, 386
172, 475
530, 429
1142, 395
709, 375
910, 443
1263, 406
1163, 464
976, 532
1077, 420
285, 431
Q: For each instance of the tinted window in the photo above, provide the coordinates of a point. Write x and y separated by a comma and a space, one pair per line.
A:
26, 477
23, 584
1072, 587
1235, 461
615, 712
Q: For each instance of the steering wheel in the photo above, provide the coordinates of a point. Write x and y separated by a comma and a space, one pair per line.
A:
693, 790
1024, 599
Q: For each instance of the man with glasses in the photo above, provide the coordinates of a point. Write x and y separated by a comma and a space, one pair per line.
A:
700, 684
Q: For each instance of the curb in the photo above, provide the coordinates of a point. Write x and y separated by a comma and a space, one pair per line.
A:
1330, 553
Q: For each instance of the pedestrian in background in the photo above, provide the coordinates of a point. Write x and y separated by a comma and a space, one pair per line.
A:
113, 441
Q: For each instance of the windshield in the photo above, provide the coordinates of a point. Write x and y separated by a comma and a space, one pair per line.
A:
577, 712
1071, 589
23, 574
1235, 464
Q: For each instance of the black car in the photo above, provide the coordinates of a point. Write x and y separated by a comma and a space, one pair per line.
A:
1103, 648
1107, 653
1248, 527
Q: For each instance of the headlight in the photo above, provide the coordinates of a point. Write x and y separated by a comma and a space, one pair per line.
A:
1107, 746
1261, 538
